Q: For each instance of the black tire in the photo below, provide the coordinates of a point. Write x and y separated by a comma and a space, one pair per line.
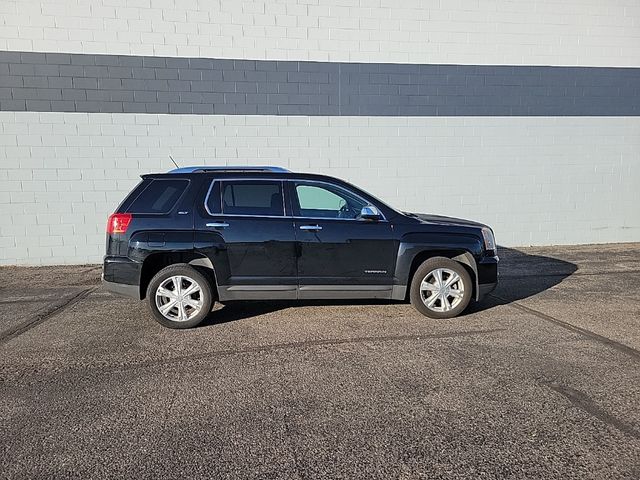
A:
190, 274
426, 271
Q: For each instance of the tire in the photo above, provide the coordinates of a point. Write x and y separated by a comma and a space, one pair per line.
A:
452, 299
186, 311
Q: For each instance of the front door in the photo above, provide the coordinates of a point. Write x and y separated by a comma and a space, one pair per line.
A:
243, 230
340, 254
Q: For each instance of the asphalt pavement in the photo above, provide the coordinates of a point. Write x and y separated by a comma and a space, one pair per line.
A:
541, 380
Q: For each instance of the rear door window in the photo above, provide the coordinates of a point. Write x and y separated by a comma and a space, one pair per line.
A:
212, 200
259, 198
160, 196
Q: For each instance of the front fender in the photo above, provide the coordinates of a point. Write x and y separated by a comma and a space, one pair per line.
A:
464, 248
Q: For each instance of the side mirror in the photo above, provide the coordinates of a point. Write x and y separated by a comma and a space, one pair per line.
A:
369, 212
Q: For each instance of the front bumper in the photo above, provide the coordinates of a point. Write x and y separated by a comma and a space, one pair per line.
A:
485, 289
487, 276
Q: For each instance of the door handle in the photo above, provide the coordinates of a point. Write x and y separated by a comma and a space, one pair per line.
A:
218, 224
312, 228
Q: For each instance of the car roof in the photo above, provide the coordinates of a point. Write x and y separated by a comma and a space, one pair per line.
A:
228, 168
251, 171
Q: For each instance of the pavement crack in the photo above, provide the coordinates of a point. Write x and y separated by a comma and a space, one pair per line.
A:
276, 347
44, 314
585, 403
621, 347
286, 421
327, 342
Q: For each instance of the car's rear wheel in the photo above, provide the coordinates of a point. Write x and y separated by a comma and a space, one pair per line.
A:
441, 288
179, 296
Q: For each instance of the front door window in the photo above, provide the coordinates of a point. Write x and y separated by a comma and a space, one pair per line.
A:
320, 201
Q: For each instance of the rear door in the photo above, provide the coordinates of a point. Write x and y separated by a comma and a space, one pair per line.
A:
340, 255
242, 225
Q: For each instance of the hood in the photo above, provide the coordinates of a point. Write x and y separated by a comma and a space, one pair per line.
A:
442, 220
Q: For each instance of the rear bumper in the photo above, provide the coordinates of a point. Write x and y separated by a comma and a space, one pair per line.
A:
121, 275
131, 291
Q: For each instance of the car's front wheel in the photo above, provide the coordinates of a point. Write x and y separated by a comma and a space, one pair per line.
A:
441, 288
179, 296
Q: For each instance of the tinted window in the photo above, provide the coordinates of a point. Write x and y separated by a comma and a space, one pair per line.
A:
213, 199
325, 201
252, 198
159, 197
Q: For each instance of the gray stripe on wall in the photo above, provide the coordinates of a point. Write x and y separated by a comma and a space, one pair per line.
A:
61, 82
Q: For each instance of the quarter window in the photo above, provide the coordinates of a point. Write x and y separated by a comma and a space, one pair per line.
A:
252, 198
160, 196
325, 201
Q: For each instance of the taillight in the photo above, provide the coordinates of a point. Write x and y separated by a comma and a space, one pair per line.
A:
118, 222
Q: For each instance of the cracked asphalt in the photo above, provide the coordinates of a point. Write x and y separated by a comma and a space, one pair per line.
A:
541, 380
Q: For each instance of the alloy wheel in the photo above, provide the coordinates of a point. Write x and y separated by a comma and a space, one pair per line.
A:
179, 298
442, 290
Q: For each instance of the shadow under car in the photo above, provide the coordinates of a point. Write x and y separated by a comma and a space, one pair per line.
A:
522, 275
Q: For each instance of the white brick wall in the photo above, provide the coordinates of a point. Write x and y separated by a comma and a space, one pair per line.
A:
533, 32
537, 180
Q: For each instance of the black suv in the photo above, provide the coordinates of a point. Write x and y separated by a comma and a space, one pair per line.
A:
189, 237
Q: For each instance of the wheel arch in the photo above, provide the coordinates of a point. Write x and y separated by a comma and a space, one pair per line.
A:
412, 255
155, 262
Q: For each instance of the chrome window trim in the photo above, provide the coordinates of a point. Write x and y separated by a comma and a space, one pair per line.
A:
339, 187
206, 200
251, 216
287, 213
222, 214
338, 219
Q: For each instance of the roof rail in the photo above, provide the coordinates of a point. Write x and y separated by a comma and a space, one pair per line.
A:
227, 168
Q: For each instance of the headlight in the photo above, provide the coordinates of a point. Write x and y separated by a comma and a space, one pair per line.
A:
489, 240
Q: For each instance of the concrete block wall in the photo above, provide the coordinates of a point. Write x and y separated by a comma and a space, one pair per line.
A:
524, 115
142, 84
535, 180
497, 32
